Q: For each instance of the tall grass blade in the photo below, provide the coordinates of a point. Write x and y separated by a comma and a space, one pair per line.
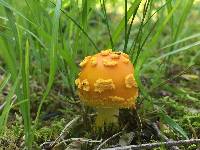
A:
102, 2
172, 124
138, 37
155, 37
25, 107
52, 58
162, 25
84, 12
125, 25
11, 53
181, 22
181, 40
131, 12
4, 82
8, 6
8, 106
174, 52
169, 8
156, 12
85, 33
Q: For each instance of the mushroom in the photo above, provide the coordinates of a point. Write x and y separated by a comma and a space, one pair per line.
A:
107, 82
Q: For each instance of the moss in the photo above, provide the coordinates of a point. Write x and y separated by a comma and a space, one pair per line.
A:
191, 123
49, 132
192, 147
9, 140
173, 107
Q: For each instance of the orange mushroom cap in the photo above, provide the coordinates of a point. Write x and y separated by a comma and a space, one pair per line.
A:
107, 80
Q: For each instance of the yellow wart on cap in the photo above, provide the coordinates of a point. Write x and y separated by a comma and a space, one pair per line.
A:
101, 85
84, 62
125, 55
126, 60
114, 56
130, 81
78, 83
93, 61
116, 98
109, 63
85, 85
106, 52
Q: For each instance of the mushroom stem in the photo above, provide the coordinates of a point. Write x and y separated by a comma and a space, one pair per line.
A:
106, 116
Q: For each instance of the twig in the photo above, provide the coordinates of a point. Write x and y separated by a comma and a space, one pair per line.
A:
13, 100
84, 140
162, 136
113, 136
2, 106
64, 130
71, 140
158, 144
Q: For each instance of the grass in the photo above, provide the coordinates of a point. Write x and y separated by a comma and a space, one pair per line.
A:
42, 43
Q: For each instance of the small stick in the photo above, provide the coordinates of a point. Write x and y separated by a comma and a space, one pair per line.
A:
162, 136
113, 136
83, 140
158, 144
2, 106
80, 140
64, 130
13, 100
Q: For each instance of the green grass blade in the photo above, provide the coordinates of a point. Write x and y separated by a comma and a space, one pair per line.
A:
169, 8
174, 52
120, 27
185, 13
84, 25
181, 22
162, 25
4, 82
8, 6
11, 53
33, 35
31, 5
53, 47
25, 107
156, 12
82, 30
102, 2
155, 37
181, 40
138, 37
9, 61
172, 124
84, 13
125, 25
8, 106
18, 49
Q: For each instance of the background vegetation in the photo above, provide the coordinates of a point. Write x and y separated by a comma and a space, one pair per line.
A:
42, 42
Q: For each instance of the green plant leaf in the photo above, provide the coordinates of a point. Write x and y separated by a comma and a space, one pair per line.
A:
172, 124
